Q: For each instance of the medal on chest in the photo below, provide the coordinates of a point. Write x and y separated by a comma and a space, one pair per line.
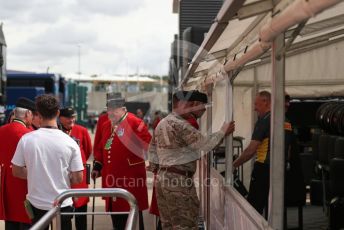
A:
109, 141
108, 144
120, 132
116, 130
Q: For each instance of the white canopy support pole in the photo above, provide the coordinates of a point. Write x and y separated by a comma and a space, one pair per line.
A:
229, 139
276, 203
209, 156
255, 90
295, 13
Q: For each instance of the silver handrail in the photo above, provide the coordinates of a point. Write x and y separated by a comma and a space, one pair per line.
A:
105, 192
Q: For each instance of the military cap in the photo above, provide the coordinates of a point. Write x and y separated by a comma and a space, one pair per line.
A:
26, 103
67, 112
192, 95
114, 100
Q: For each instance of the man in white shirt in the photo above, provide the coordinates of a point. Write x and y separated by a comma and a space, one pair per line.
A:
50, 160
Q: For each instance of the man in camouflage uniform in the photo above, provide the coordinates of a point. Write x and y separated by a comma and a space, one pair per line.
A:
174, 150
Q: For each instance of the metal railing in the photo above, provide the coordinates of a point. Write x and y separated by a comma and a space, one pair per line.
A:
106, 192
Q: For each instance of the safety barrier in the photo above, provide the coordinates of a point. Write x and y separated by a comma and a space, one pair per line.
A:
229, 210
55, 211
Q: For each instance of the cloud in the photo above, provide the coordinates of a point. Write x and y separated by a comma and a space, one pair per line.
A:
54, 43
114, 36
110, 7
14, 6
33, 11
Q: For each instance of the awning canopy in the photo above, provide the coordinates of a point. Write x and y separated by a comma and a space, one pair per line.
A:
247, 35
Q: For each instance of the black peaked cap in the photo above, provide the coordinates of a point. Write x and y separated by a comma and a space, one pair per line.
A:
26, 103
67, 112
192, 95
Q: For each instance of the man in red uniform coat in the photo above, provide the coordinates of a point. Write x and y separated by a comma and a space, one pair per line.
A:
80, 135
14, 190
103, 118
121, 162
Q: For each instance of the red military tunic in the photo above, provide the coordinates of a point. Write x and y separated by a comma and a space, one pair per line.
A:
79, 132
124, 163
153, 209
12, 189
97, 148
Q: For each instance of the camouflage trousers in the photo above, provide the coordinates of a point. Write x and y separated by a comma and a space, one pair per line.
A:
177, 201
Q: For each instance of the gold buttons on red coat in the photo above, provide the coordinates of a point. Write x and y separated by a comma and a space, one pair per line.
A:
109, 156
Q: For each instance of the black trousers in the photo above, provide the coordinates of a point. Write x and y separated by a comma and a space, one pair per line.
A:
119, 221
81, 220
158, 224
12, 225
259, 187
66, 221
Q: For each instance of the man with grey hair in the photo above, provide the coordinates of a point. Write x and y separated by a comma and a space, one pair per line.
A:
13, 194
259, 146
120, 158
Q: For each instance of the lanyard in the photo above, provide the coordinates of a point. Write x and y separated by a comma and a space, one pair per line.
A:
19, 121
109, 141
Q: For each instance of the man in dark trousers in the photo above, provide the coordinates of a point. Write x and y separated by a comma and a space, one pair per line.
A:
51, 162
259, 146
80, 135
13, 190
120, 158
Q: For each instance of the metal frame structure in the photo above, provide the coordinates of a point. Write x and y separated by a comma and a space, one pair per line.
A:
229, 139
267, 31
55, 211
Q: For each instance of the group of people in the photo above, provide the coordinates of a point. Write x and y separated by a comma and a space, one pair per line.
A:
39, 161
150, 122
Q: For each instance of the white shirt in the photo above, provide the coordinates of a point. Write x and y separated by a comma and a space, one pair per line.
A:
49, 156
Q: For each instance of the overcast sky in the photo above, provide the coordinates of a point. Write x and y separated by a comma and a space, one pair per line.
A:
113, 36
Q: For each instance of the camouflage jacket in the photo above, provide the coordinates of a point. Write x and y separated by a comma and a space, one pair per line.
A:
177, 143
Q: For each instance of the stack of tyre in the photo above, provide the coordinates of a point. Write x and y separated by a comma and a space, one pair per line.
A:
328, 153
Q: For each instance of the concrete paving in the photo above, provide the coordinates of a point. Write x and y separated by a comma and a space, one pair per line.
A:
103, 222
